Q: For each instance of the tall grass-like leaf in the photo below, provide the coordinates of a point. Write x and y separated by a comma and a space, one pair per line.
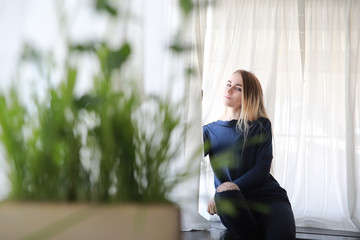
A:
12, 121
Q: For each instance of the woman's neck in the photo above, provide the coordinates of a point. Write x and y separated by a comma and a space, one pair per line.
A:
230, 114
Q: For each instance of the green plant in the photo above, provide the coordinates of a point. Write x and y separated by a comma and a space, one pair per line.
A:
44, 148
55, 154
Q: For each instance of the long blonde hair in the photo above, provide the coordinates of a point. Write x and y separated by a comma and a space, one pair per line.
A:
252, 106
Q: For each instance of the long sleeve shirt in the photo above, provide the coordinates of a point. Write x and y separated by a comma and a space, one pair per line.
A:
243, 160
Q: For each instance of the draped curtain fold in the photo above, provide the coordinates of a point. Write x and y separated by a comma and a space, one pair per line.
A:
306, 55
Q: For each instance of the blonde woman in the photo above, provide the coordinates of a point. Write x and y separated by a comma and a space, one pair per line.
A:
249, 201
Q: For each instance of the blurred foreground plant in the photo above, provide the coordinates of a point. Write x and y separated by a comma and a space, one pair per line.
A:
110, 144
95, 147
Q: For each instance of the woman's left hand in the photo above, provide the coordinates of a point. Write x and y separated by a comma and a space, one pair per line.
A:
227, 186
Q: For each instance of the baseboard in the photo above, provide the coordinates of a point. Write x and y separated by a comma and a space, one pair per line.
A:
322, 234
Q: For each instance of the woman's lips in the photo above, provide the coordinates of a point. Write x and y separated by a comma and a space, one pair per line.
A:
227, 97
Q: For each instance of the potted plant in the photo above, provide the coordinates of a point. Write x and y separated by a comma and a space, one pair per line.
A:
103, 151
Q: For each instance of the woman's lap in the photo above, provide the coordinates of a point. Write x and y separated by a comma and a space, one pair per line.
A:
248, 223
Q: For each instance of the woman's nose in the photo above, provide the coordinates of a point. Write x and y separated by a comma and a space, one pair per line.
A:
229, 91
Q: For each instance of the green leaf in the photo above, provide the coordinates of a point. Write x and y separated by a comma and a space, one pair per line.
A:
256, 139
227, 207
71, 80
259, 207
186, 6
180, 47
103, 5
86, 47
116, 59
88, 101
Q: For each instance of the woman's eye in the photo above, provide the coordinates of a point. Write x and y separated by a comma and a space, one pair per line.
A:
239, 89
228, 85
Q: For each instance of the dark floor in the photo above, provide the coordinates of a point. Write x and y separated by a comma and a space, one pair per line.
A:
211, 234
216, 229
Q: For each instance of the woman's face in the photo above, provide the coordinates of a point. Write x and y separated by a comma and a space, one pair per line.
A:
233, 91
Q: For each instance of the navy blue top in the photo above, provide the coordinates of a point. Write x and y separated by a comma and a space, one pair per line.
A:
247, 165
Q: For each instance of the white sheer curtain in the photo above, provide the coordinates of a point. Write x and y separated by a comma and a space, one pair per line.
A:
149, 26
327, 189
306, 55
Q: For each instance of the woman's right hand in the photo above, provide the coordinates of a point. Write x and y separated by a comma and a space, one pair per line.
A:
212, 207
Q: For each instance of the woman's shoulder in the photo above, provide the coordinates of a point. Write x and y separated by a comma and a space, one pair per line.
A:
262, 124
208, 125
220, 124
264, 121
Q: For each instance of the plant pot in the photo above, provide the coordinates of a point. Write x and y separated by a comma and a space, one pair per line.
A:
20, 220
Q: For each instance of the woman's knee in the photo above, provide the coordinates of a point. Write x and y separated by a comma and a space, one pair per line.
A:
279, 223
229, 200
230, 194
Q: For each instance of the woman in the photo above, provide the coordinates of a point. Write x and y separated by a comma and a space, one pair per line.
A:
249, 201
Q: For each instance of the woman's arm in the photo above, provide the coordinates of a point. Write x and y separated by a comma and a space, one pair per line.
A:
206, 141
227, 186
263, 157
